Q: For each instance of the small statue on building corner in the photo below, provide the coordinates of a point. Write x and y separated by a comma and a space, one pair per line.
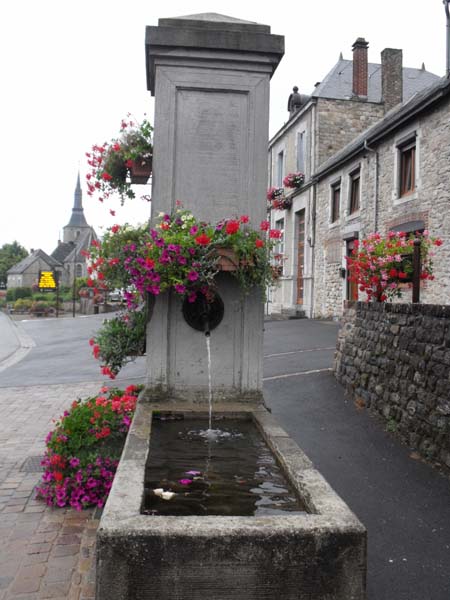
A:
295, 101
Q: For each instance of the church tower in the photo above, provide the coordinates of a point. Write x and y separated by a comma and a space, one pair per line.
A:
77, 224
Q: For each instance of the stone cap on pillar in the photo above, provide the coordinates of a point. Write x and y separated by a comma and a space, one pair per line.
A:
211, 32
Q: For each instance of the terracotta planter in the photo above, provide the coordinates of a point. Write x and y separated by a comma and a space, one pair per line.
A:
228, 261
140, 170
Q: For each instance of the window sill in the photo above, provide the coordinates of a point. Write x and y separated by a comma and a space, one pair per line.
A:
399, 200
353, 216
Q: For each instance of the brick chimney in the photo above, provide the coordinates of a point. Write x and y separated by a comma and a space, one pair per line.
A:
391, 78
360, 68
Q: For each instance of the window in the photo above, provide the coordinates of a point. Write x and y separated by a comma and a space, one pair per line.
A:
355, 178
280, 169
278, 251
78, 271
301, 152
335, 201
407, 179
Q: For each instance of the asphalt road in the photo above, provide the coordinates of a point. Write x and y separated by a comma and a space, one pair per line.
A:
403, 502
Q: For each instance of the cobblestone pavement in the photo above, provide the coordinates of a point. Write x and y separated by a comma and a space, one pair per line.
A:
44, 552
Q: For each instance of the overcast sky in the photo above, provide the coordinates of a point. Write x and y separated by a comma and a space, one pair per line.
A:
71, 70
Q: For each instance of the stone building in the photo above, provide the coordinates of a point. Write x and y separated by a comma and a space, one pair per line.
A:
26, 272
353, 96
402, 169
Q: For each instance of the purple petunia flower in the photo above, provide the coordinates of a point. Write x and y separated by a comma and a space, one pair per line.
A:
185, 481
192, 276
180, 288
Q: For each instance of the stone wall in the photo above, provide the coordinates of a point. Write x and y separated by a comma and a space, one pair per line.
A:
395, 360
340, 121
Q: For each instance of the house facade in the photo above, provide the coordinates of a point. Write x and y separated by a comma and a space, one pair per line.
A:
354, 96
26, 272
402, 165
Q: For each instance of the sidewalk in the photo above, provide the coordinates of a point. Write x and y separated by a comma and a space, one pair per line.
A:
45, 552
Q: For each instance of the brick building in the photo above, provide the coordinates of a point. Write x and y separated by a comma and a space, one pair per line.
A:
354, 96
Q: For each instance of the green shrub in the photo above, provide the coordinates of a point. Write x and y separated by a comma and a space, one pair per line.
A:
22, 305
18, 292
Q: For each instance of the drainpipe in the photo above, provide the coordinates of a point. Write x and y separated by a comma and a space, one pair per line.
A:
447, 13
312, 244
375, 208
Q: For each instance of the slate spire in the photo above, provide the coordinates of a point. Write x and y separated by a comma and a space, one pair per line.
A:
77, 218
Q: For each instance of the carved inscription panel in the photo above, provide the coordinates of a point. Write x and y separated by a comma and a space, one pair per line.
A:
211, 152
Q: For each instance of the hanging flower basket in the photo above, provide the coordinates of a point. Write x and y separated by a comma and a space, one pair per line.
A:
283, 204
140, 170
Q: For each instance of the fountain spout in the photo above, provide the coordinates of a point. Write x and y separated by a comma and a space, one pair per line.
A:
204, 316
205, 313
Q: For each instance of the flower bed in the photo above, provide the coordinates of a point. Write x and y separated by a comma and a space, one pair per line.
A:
84, 448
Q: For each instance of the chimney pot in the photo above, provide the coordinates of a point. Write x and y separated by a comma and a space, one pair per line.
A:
360, 68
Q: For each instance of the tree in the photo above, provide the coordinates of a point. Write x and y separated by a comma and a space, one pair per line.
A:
10, 255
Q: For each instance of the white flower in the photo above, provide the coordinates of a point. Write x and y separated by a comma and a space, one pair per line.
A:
162, 494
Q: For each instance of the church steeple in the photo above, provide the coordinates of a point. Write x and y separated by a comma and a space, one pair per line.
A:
77, 222
77, 219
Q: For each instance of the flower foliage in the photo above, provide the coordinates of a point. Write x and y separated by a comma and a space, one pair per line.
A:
109, 163
273, 193
380, 265
84, 448
182, 254
294, 180
119, 340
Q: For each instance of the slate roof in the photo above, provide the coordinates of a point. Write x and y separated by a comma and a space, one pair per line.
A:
339, 82
26, 262
395, 118
69, 252
61, 252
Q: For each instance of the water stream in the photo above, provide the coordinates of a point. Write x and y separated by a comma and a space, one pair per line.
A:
208, 352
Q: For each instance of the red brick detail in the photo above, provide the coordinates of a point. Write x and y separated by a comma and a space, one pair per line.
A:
360, 68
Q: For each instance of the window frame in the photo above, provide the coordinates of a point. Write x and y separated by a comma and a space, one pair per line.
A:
335, 215
300, 152
354, 203
407, 156
280, 168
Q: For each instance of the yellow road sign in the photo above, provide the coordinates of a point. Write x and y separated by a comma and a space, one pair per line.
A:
47, 280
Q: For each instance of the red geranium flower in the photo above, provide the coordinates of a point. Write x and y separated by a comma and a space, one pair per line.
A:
202, 239
232, 227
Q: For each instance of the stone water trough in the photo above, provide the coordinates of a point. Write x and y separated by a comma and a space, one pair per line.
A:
320, 555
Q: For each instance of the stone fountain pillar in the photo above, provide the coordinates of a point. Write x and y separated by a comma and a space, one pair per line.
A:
210, 76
